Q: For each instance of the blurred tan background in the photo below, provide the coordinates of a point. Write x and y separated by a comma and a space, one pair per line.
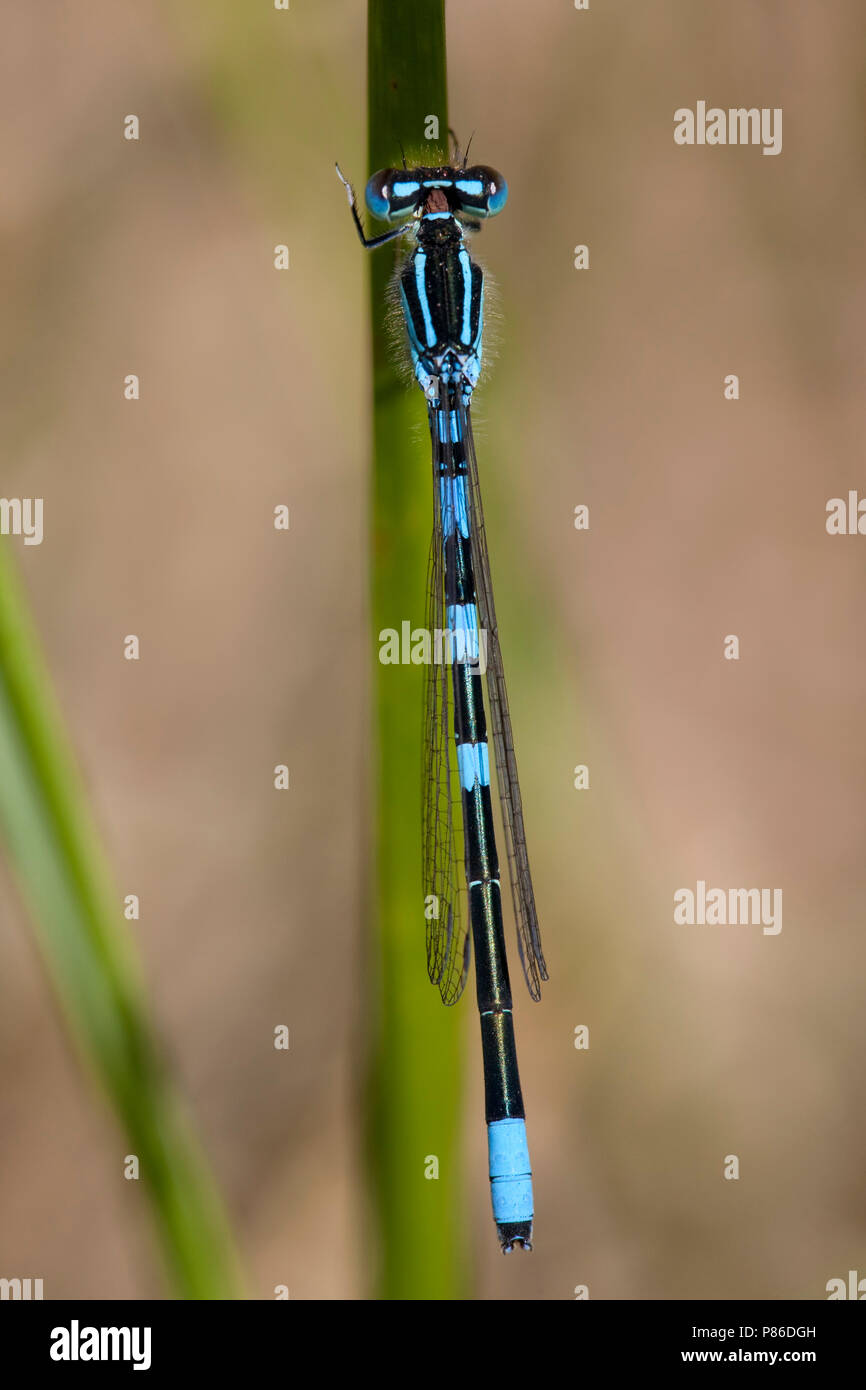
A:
707, 518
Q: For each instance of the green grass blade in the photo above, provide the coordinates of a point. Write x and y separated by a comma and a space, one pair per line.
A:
416, 1068
57, 860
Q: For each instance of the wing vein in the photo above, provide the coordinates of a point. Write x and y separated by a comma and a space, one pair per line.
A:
526, 916
448, 939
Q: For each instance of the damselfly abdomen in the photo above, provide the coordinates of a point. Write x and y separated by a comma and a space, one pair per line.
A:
442, 295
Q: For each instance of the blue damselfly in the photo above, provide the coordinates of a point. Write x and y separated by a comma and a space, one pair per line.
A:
442, 296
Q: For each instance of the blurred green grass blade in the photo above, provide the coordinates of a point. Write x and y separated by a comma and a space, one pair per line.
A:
416, 1067
60, 869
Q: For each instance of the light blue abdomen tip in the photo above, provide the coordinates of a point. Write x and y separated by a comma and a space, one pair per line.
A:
510, 1172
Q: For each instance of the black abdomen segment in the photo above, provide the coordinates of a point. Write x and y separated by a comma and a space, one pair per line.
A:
510, 1173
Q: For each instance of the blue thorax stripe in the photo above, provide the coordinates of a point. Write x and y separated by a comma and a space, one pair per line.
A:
466, 267
420, 285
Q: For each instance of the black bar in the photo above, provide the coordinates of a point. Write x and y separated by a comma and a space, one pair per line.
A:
231, 1343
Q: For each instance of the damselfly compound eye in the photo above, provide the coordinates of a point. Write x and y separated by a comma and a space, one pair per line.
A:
481, 191
392, 193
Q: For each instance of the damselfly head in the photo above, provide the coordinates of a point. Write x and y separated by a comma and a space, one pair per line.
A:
393, 194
